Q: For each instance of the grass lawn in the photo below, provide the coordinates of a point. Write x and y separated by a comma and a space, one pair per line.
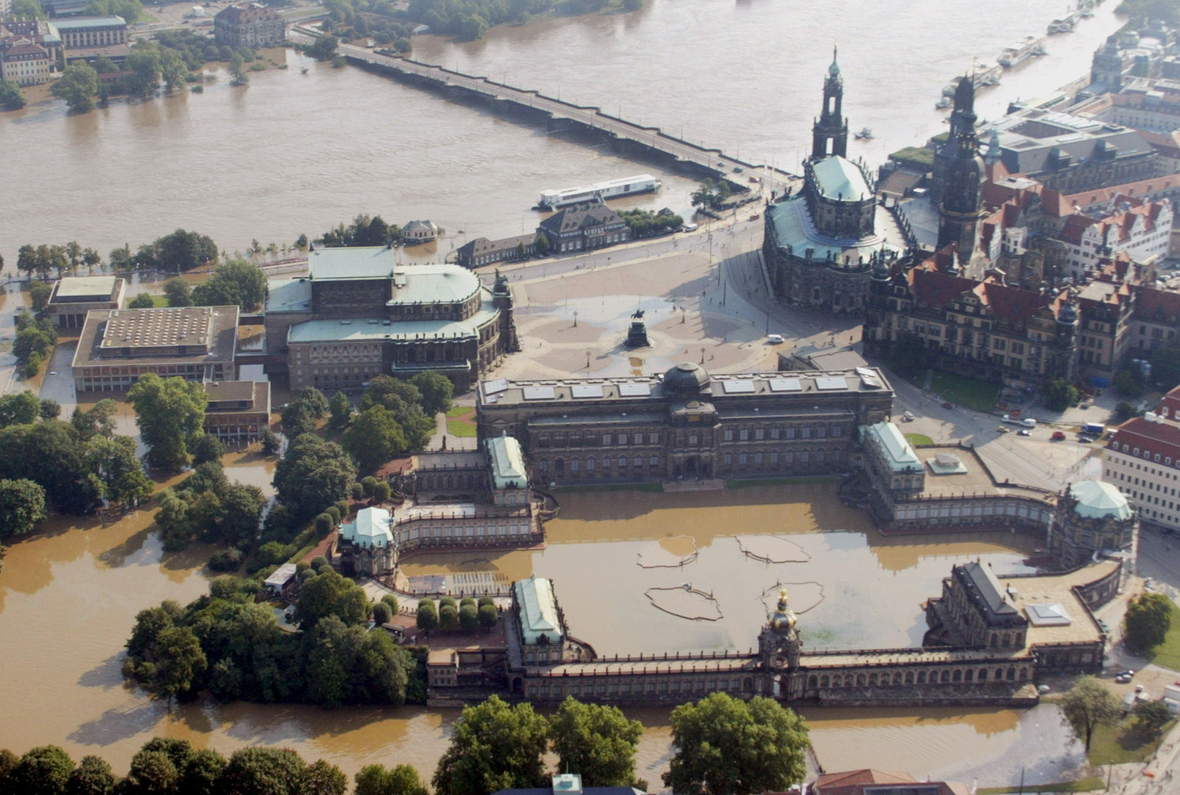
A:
1167, 654
1083, 785
969, 392
918, 439
461, 421
1115, 745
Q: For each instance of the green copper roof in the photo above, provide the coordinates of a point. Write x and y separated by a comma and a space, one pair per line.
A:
838, 178
538, 610
834, 69
1099, 500
899, 455
508, 470
370, 529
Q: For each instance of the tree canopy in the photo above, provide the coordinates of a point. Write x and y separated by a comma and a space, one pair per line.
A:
312, 475
493, 747
363, 231
597, 741
235, 281
22, 507
78, 86
726, 746
1147, 620
170, 412
1088, 705
374, 437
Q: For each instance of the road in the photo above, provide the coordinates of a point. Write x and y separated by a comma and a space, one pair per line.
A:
713, 159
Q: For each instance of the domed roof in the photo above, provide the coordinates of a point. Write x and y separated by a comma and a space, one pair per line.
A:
686, 378
834, 69
783, 619
1099, 500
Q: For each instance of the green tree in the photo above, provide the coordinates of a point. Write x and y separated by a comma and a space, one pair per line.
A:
201, 773
1088, 705
427, 615
173, 69
313, 475
44, 770
113, 465
178, 292
400, 780
22, 507
235, 281
206, 447
597, 741
98, 420
488, 616
39, 293
180, 662
50, 409
1146, 622
1125, 410
725, 746
143, 66
322, 778
390, 600
330, 594
448, 617
77, 85
382, 613
373, 438
341, 410
436, 390
152, 773
22, 408
1128, 383
170, 413
324, 48
26, 260
26, 9
237, 71
1151, 717
469, 618
493, 747
92, 776
141, 301
1165, 366
263, 771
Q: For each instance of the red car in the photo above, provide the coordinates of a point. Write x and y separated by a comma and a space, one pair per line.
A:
1057, 436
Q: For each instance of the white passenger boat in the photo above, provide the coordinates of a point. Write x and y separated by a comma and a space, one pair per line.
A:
613, 189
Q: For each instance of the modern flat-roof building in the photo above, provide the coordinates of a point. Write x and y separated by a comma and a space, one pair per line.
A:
74, 296
685, 423
359, 314
81, 32
238, 412
119, 345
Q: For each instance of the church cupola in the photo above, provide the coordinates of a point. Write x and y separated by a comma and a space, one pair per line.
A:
961, 209
829, 134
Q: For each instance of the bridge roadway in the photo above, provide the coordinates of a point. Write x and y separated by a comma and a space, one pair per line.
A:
699, 158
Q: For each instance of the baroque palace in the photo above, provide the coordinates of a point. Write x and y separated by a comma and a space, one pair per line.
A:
989, 636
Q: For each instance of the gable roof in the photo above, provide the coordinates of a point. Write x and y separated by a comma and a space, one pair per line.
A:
580, 216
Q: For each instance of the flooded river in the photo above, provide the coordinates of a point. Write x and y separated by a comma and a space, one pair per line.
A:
294, 153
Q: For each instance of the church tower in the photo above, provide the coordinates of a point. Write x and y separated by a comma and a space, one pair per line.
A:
829, 134
961, 209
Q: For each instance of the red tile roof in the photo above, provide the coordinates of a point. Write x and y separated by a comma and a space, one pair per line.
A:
1151, 438
1061, 206
1158, 306
934, 289
1170, 405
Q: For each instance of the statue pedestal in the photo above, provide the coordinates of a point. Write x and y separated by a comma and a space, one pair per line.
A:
637, 335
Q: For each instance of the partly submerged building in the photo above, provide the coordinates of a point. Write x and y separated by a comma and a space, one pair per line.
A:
74, 296
1092, 517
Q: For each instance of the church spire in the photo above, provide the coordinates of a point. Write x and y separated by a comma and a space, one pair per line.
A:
829, 134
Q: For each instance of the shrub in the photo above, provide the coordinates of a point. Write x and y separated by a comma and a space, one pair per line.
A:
382, 613
357, 491
390, 600
225, 560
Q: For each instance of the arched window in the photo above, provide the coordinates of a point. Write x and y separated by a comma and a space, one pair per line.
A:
909, 677
968, 675
897, 678
823, 681
872, 679
921, 677
983, 674
1011, 674
958, 676
999, 674
812, 682
946, 676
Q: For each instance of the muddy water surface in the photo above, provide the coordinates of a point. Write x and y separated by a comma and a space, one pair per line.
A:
69, 597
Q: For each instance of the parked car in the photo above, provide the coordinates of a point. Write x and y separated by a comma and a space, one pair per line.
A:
1001, 429
1028, 422
1057, 436
907, 417
774, 339
755, 216
1085, 439
1025, 432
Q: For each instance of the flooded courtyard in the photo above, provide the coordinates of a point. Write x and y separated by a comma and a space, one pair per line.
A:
68, 598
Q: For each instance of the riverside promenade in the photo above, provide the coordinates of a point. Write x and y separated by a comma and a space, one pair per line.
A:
558, 116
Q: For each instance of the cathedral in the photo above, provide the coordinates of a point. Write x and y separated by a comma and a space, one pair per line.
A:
822, 243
